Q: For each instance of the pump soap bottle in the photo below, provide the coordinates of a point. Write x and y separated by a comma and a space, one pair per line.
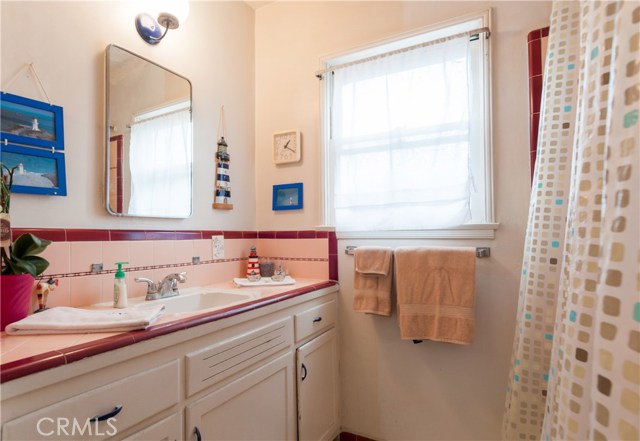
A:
120, 288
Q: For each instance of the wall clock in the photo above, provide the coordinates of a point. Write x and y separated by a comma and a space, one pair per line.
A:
286, 147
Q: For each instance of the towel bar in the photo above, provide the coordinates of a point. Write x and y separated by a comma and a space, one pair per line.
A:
480, 251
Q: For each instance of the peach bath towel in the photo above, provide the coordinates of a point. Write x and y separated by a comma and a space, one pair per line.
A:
372, 280
436, 293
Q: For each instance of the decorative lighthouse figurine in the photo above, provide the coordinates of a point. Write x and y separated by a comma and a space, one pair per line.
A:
223, 180
222, 198
253, 266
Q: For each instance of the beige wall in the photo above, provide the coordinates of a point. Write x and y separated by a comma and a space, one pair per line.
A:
66, 42
393, 389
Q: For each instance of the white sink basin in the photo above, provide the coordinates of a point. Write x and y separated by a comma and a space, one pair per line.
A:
194, 302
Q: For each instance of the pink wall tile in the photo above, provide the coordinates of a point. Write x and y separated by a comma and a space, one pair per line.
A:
164, 252
268, 248
308, 270
85, 290
113, 252
236, 248
198, 275
296, 248
183, 251
140, 253
59, 256
203, 249
83, 254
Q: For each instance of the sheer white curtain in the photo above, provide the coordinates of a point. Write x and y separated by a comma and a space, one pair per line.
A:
160, 162
400, 140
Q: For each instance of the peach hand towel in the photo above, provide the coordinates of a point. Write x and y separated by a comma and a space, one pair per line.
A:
436, 293
372, 280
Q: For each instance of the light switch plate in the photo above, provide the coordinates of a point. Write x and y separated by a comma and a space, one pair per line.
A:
217, 243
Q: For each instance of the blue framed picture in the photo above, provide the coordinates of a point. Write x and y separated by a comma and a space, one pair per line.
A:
287, 196
38, 171
30, 122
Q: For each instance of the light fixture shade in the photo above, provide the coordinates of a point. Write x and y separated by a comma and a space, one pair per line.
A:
159, 16
177, 8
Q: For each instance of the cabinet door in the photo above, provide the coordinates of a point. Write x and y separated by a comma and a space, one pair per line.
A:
168, 429
259, 405
318, 411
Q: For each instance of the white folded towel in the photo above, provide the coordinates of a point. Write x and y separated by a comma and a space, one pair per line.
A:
65, 320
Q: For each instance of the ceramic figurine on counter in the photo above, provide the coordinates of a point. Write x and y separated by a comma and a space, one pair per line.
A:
43, 289
253, 265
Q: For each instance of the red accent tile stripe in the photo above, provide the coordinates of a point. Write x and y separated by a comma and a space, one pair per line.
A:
44, 233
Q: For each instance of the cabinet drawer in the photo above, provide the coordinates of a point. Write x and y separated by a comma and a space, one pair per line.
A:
140, 396
315, 320
222, 360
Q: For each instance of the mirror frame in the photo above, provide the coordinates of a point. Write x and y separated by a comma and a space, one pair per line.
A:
107, 162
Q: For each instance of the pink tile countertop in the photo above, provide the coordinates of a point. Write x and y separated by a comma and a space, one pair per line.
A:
28, 354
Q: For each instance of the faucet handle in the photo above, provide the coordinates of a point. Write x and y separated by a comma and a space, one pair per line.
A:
152, 287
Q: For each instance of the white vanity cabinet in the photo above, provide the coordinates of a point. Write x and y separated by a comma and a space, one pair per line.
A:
230, 379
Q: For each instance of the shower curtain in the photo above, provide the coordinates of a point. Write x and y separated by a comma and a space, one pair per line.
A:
575, 371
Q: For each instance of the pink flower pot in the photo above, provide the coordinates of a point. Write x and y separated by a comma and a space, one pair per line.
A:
15, 298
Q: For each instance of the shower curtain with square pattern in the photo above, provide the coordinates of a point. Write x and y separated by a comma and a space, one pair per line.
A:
575, 371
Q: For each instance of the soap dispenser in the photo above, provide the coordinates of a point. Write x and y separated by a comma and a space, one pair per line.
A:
120, 288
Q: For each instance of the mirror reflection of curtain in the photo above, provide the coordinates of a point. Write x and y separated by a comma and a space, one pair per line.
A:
160, 162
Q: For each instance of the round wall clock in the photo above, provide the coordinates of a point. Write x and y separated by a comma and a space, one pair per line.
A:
286, 147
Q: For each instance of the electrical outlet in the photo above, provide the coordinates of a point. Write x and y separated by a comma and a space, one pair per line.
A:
217, 244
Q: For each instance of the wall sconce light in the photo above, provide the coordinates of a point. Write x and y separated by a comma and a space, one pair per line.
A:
170, 14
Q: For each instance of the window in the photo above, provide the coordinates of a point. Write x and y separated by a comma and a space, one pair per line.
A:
407, 134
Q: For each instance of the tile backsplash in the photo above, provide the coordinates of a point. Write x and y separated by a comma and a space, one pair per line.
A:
154, 254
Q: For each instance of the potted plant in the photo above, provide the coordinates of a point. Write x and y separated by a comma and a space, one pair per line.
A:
19, 261
20, 266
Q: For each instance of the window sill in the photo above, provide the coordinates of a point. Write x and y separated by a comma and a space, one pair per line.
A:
478, 231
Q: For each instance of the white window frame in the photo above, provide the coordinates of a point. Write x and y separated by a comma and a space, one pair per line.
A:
484, 230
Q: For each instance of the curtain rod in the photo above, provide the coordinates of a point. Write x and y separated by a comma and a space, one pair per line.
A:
474, 32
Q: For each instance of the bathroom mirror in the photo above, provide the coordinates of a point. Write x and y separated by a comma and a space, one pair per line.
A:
149, 138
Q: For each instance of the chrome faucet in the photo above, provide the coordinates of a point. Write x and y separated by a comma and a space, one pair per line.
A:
168, 287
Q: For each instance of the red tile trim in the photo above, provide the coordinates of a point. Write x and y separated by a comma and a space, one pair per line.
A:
286, 234
535, 61
74, 235
333, 267
206, 234
57, 235
31, 365
127, 235
27, 366
534, 35
536, 67
78, 352
232, 234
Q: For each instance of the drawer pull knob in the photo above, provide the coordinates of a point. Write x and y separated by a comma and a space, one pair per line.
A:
196, 431
317, 319
116, 410
303, 372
